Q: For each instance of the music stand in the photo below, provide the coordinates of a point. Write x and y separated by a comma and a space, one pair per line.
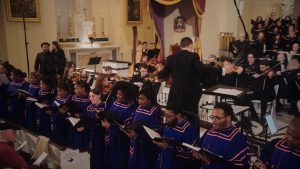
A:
153, 53
94, 61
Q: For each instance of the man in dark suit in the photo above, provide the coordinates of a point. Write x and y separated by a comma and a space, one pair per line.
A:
187, 73
45, 61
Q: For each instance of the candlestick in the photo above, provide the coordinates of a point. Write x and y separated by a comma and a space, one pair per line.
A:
58, 14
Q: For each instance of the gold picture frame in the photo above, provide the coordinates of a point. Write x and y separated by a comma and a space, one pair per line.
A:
31, 10
134, 13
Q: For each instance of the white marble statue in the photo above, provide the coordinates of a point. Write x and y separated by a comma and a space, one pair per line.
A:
82, 26
286, 6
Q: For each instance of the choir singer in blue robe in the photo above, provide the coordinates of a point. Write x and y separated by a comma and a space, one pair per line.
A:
223, 146
283, 153
142, 152
177, 130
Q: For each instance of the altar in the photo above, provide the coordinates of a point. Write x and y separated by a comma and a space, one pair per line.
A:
80, 55
81, 34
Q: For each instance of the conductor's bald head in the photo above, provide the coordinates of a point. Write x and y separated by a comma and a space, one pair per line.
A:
293, 133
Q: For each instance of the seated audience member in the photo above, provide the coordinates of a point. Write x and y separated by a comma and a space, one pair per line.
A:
9, 158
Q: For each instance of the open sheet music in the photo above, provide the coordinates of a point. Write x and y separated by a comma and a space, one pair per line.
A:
191, 147
120, 125
157, 137
231, 92
41, 158
24, 92
41, 105
73, 120
31, 99
21, 146
152, 134
56, 103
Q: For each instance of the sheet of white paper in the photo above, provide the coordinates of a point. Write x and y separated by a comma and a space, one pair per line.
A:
231, 92
73, 120
153, 134
271, 124
40, 105
56, 103
31, 99
21, 146
69, 158
238, 109
24, 91
191, 146
40, 159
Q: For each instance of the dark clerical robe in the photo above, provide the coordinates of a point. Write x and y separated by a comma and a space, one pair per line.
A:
187, 72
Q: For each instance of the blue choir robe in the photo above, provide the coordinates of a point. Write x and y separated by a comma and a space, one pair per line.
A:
3, 101
15, 103
30, 110
279, 155
97, 143
229, 143
79, 139
116, 141
59, 122
142, 151
43, 119
178, 157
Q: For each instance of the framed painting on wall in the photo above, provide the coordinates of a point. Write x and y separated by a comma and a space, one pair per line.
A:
134, 11
30, 9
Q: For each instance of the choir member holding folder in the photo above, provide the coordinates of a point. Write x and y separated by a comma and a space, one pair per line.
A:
44, 100
31, 95
80, 138
94, 114
116, 141
224, 146
142, 152
15, 102
58, 121
177, 130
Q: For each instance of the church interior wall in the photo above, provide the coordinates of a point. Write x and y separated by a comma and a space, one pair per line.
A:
3, 48
185, 9
219, 16
37, 32
116, 28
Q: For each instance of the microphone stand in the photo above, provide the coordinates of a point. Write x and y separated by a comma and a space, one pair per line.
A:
25, 34
246, 38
